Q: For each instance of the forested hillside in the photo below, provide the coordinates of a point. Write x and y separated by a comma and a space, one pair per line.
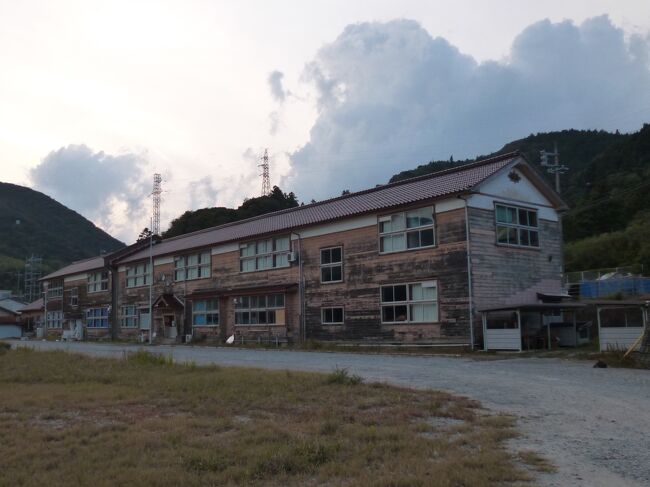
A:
191, 221
607, 188
33, 223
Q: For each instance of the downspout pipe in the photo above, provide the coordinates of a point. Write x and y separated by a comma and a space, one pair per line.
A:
470, 294
301, 290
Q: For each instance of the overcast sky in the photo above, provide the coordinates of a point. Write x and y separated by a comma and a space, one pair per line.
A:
97, 96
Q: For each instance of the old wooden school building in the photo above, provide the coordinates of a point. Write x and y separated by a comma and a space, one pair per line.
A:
410, 261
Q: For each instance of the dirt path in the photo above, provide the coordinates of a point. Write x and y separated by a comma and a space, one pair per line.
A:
593, 424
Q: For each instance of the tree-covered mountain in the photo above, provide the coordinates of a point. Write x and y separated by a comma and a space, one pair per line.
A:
32, 223
191, 221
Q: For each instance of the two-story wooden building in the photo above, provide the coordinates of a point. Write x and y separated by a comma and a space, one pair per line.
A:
410, 261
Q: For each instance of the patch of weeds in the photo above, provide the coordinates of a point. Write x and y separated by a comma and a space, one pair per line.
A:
142, 357
207, 463
4, 347
312, 344
329, 428
535, 461
343, 377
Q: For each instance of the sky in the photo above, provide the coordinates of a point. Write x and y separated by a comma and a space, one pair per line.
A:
98, 96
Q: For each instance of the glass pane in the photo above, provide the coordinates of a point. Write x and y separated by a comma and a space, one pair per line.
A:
325, 256
384, 227
511, 215
413, 239
327, 315
212, 319
417, 313
199, 306
523, 217
282, 243
512, 236
401, 313
193, 259
502, 235
213, 304
199, 320
270, 317
400, 292
279, 300
416, 292
326, 274
387, 314
336, 273
385, 244
399, 242
261, 302
387, 294
523, 237
253, 302
245, 302
532, 218
501, 214
426, 237
281, 260
426, 216
412, 219
534, 239
192, 272
336, 254
337, 315
398, 222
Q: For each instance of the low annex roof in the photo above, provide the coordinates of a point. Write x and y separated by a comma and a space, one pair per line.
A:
431, 186
33, 306
77, 267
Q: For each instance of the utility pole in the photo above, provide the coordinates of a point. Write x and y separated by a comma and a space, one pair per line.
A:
157, 191
553, 167
266, 179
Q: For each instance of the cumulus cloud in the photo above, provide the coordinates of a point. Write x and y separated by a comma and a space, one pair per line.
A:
275, 84
391, 96
202, 193
96, 184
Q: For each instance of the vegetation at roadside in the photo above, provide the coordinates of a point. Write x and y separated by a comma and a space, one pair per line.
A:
72, 420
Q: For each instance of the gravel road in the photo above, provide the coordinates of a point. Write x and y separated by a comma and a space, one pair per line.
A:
593, 424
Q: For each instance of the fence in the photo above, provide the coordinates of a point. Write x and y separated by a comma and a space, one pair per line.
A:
603, 283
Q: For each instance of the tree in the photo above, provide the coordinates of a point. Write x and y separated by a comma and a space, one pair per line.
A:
145, 234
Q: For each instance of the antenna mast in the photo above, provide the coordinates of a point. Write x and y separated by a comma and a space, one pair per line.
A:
266, 179
157, 191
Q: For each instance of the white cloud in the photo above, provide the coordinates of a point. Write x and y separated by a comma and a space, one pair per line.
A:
110, 190
391, 96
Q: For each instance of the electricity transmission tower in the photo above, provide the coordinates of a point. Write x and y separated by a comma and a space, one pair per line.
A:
157, 191
33, 271
553, 167
266, 179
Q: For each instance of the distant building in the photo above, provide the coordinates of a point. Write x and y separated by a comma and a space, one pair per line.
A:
406, 262
10, 325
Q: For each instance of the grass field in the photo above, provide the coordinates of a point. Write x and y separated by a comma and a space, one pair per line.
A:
71, 420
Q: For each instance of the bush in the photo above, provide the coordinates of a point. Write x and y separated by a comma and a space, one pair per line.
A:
342, 376
142, 357
4, 347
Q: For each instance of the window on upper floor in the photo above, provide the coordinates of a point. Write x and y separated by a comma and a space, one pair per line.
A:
192, 266
97, 317
410, 303
97, 281
331, 264
205, 312
269, 253
516, 226
55, 289
137, 275
331, 315
407, 230
264, 309
74, 296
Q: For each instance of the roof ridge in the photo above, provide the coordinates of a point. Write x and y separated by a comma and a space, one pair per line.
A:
462, 167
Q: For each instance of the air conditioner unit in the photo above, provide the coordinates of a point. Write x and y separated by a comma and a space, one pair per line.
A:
293, 257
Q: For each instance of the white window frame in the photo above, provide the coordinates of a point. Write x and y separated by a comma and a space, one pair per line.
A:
262, 255
325, 309
55, 290
390, 229
410, 303
91, 317
330, 265
198, 263
241, 309
208, 311
138, 275
516, 226
129, 317
97, 282
54, 319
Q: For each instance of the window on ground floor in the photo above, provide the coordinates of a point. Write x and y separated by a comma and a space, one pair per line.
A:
263, 310
332, 315
205, 312
410, 303
97, 317
54, 319
129, 316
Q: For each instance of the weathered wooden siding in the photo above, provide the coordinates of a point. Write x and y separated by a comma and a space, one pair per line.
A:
507, 275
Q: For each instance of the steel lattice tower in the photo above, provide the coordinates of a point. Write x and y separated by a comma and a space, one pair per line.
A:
266, 178
33, 269
157, 191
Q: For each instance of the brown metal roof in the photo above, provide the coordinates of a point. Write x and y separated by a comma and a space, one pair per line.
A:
428, 187
94, 263
33, 306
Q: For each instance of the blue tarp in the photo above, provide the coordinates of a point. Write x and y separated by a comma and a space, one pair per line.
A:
608, 287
